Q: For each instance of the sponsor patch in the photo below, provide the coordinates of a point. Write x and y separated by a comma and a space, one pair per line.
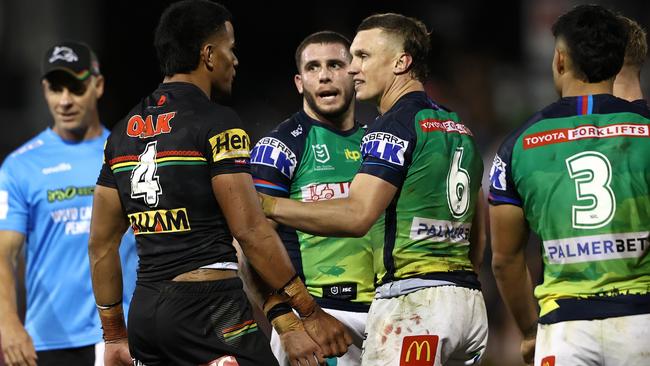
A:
439, 231
352, 155
384, 146
321, 154
222, 361
272, 152
325, 191
4, 204
419, 350
230, 144
160, 221
498, 174
138, 126
548, 361
585, 132
63, 167
597, 247
346, 291
297, 131
68, 193
432, 125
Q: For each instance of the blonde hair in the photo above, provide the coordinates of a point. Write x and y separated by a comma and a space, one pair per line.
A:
636, 50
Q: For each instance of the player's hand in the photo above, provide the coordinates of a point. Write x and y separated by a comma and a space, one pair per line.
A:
117, 354
527, 349
301, 349
268, 203
328, 332
17, 345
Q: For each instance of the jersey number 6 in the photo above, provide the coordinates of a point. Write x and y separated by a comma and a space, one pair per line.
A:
457, 185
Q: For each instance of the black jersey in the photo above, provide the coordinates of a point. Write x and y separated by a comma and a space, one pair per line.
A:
161, 158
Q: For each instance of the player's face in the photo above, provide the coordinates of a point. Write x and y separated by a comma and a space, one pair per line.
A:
324, 81
226, 61
72, 102
373, 54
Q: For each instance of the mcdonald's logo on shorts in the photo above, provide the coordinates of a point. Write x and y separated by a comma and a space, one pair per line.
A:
419, 350
548, 361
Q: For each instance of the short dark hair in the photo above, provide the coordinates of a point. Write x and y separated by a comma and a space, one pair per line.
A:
326, 37
637, 43
182, 29
596, 40
413, 34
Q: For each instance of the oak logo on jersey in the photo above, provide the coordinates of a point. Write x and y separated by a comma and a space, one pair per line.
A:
321, 154
325, 191
272, 152
145, 127
419, 350
68, 193
384, 146
160, 221
230, 144
498, 173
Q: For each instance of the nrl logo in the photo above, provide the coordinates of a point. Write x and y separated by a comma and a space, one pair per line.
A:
321, 154
63, 53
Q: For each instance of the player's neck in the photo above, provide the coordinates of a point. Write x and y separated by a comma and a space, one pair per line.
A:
93, 130
575, 87
199, 81
343, 122
401, 85
627, 84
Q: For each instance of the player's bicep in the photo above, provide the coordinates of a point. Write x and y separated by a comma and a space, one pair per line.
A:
508, 230
370, 196
238, 201
10, 244
108, 223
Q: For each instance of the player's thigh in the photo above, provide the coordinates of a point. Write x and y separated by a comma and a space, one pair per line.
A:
626, 340
430, 326
569, 343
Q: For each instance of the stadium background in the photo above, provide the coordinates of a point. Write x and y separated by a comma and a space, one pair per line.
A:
490, 63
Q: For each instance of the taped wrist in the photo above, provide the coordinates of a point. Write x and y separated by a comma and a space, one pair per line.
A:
112, 318
299, 297
286, 323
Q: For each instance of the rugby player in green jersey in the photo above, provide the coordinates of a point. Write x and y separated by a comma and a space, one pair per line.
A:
422, 171
577, 173
313, 156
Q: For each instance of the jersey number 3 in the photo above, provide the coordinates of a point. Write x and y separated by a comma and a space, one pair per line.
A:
144, 181
457, 186
592, 174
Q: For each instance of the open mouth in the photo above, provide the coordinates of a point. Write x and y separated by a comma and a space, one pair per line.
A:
328, 95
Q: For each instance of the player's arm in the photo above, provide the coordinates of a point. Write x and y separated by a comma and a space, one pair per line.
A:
509, 234
350, 216
477, 236
107, 227
17, 345
268, 257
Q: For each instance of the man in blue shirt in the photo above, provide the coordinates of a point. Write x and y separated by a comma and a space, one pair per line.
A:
46, 191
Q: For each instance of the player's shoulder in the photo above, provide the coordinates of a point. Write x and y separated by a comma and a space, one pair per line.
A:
33, 147
296, 127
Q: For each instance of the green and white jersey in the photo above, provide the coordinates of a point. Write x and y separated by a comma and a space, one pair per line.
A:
309, 161
580, 170
432, 159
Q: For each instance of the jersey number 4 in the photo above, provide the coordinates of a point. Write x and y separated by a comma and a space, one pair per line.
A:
457, 185
592, 174
144, 181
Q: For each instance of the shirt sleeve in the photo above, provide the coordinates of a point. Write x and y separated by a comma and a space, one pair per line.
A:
273, 163
106, 177
502, 186
387, 150
226, 144
14, 207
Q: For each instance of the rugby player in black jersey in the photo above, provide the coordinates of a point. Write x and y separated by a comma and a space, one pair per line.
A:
177, 171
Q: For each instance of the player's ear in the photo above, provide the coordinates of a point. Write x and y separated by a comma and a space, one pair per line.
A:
297, 79
402, 64
207, 56
559, 61
99, 86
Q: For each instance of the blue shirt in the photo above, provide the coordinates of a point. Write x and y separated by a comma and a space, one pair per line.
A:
46, 193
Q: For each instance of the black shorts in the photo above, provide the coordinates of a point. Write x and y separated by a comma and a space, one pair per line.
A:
81, 356
195, 323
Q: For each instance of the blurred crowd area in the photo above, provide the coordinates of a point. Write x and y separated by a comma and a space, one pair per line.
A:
490, 61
